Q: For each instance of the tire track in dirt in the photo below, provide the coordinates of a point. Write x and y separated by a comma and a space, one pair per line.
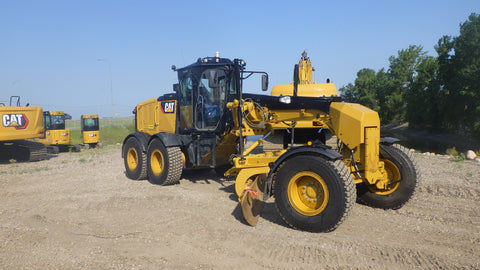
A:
338, 254
98, 219
450, 191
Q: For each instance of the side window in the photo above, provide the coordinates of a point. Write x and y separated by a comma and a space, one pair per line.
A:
232, 86
186, 85
185, 102
46, 120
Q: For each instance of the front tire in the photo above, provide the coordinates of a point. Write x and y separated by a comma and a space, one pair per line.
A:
402, 172
164, 164
314, 194
135, 160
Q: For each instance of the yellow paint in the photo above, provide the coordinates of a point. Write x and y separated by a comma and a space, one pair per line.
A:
91, 136
246, 175
90, 128
308, 193
349, 120
152, 118
306, 87
306, 90
56, 137
20, 123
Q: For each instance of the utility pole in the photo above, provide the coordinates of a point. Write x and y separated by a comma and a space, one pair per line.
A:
111, 87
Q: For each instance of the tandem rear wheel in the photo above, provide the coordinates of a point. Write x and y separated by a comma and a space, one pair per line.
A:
164, 164
135, 160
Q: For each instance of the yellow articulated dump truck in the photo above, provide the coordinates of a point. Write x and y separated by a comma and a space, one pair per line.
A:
206, 121
19, 125
90, 130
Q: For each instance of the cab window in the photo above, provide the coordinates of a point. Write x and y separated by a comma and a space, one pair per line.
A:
186, 99
212, 87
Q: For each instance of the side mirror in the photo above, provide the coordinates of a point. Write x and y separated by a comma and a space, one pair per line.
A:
264, 82
176, 88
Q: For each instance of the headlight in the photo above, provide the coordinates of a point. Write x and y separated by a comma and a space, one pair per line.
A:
285, 99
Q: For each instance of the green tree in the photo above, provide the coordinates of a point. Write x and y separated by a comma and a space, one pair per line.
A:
401, 74
349, 93
428, 92
459, 65
363, 91
365, 85
383, 86
424, 97
466, 63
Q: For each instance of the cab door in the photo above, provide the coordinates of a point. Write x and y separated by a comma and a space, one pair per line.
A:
210, 99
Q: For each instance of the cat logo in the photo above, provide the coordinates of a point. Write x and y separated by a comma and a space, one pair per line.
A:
168, 107
18, 121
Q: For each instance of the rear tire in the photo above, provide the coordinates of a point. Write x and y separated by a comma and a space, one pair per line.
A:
399, 164
164, 164
135, 160
313, 194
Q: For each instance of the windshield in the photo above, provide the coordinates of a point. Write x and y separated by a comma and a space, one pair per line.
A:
90, 124
204, 93
54, 122
212, 90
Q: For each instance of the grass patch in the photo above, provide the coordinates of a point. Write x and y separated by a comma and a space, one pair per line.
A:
455, 154
452, 151
34, 170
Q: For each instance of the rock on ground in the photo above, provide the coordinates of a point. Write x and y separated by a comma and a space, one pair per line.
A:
471, 155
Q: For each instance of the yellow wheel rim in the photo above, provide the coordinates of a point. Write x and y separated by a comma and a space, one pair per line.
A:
184, 160
132, 159
308, 193
157, 162
394, 176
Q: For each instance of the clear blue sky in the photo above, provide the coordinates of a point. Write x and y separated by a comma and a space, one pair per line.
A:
49, 50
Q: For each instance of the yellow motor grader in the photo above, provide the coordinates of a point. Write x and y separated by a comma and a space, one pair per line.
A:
206, 121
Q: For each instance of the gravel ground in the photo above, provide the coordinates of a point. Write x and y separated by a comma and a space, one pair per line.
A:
80, 211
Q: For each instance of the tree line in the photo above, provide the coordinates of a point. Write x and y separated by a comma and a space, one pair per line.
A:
434, 93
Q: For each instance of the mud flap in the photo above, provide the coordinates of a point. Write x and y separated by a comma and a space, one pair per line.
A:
251, 200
